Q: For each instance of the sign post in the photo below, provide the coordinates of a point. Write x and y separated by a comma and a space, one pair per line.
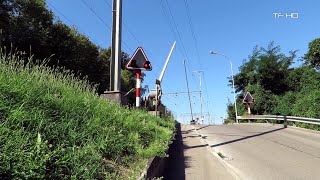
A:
248, 99
139, 62
138, 86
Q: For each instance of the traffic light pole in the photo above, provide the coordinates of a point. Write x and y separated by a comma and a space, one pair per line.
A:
138, 86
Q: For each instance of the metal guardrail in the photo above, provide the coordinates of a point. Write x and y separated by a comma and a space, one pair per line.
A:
283, 118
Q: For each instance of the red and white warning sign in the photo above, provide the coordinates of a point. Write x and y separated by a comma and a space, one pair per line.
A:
139, 61
248, 99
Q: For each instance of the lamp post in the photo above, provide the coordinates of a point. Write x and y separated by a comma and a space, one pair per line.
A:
234, 92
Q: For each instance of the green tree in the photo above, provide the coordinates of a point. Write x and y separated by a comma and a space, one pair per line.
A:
312, 57
267, 67
231, 111
28, 26
25, 26
264, 75
73, 50
104, 69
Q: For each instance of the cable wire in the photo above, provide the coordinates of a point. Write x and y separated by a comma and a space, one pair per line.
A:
73, 24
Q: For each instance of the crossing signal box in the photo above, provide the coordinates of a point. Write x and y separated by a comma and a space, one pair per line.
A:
139, 61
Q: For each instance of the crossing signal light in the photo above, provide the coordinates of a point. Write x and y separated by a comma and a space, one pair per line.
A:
139, 61
147, 65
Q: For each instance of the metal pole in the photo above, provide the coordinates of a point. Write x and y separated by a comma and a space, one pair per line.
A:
116, 55
234, 93
201, 100
249, 112
138, 86
201, 96
185, 71
156, 106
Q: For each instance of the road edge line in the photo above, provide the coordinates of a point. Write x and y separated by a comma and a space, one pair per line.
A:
214, 153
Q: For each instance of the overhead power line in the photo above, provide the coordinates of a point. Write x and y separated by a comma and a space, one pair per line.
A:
192, 32
108, 3
94, 12
105, 24
73, 24
139, 43
175, 32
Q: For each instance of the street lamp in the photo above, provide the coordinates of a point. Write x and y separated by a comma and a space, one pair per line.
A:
234, 92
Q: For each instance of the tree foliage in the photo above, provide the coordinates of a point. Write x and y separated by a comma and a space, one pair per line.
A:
312, 57
276, 86
28, 26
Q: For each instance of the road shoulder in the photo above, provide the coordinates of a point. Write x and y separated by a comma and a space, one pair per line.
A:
200, 162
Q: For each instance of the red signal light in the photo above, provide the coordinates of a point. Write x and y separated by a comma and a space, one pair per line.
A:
147, 65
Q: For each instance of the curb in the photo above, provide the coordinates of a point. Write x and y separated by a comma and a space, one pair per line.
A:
156, 165
154, 168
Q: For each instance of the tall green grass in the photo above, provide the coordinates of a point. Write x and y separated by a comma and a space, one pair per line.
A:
54, 126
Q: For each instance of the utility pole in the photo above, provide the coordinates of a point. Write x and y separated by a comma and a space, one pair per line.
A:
116, 54
201, 100
114, 91
185, 71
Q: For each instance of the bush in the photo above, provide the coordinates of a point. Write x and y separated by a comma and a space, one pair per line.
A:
54, 126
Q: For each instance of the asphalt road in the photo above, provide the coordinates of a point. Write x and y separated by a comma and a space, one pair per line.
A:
259, 151
190, 158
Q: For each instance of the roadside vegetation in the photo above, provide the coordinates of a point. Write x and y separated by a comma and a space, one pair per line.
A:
54, 126
278, 87
30, 27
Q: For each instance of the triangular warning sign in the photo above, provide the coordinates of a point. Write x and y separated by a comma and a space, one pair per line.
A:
139, 61
248, 98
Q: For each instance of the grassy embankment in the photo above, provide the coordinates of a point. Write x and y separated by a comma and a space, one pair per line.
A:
54, 126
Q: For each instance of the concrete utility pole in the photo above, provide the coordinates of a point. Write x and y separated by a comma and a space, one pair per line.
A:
114, 92
201, 100
116, 55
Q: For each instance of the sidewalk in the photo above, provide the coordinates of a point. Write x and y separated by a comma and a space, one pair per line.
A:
190, 159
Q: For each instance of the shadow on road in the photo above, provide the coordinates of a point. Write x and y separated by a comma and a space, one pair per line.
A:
177, 161
191, 136
198, 146
203, 127
175, 165
246, 137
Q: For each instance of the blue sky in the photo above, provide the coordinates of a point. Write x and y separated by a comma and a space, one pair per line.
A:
230, 27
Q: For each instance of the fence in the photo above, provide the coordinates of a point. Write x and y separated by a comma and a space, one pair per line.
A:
282, 118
